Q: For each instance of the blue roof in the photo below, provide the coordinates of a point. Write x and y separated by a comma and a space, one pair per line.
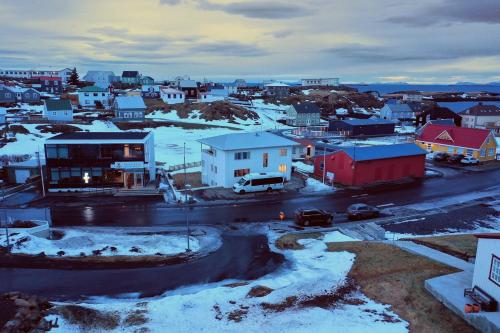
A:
368, 153
357, 122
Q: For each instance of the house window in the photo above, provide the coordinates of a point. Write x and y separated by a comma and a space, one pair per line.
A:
469, 152
243, 155
483, 152
215, 168
451, 150
265, 160
283, 151
282, 168
495, 269
491, 152
321, 166
241, 172
460, 151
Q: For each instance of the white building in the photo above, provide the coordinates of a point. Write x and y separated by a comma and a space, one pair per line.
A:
58, 110
207, 97
172, 96
91, 96
487, 265
229, 157
129, 108
333, 81
64, 74
101, 79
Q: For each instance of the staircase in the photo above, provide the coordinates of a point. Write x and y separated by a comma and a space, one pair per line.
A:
136, 192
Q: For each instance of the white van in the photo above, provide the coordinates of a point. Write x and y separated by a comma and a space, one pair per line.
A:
255, 182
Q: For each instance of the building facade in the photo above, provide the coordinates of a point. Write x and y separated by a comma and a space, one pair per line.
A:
277, 90
333, 81
172, 96
51, 84
6, 95
84, 160
397, 112
229, 157
58, 110
303, 114
361, 127
482, 116
368, 165
94, 97
147, 80
128, 108
487, 265
190, 89
477, 143
102, 79
150, 91
64, 74
131, 77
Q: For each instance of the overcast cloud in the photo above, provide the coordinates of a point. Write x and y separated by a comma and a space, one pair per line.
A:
357, 40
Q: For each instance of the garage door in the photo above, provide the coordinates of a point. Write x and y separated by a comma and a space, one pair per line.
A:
21, 176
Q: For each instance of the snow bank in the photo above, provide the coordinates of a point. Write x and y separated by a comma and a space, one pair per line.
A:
337, 236
114, 242
313, 185
209, 308
304, 167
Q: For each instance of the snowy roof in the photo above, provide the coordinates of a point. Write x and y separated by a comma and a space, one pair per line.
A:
399, 107
277, 84
306, 108
368, 153
58, 104
171, 90
100, 136
130, 102
482, 110
252, 140
92, 89
188, 84
27, 164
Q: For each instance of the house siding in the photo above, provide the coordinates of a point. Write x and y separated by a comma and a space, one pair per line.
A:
488, 146
486, 248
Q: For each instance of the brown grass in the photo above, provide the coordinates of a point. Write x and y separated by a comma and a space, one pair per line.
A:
390, 275
193, 178
461, 246
289, 241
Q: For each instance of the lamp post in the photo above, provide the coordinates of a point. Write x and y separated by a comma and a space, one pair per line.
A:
41, 171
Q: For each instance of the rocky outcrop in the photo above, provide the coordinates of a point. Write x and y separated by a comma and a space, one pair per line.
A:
28, 315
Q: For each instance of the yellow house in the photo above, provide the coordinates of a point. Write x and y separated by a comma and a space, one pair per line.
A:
474, 142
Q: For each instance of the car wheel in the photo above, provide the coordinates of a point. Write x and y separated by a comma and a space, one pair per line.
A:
269, 189
242, 191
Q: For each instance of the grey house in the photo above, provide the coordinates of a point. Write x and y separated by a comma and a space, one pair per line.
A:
303, 114
397, 112
277, 89
26, 95
131, 77
6, 95
129, 108
59, 110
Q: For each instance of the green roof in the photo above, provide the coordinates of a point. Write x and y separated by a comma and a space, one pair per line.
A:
58, 104
92, 89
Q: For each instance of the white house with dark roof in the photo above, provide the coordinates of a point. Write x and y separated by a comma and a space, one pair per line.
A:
482, 116
277, 89
59, 110
227, 158
129, 108
397, 112
303, 114
94, 96
172, 96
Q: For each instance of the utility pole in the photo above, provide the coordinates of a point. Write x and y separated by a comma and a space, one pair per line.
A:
41, 171
186, 186
324, 163
7, 230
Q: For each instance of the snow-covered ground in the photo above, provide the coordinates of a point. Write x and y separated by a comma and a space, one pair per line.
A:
208, 308
303, 167
313, 185
113, 242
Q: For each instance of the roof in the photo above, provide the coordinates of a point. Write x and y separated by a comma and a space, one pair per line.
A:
482, 110
252, 140
306, 108
58, 104
130, 74
399, 107
453, 136
26, 164
368, 153
188, 84
101, 136
491, 235
171, 90
277, 84
92, 89
364, 122
49, 78
130, 102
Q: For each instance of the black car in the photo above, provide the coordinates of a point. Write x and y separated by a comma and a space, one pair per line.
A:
440, 157
361, 211
455, 159
311, 216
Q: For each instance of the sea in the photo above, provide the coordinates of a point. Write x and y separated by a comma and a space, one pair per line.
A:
388, 88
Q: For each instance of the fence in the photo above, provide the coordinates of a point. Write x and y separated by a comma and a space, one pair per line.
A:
182, 166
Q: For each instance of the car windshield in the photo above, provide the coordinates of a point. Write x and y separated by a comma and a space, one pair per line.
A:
241, 181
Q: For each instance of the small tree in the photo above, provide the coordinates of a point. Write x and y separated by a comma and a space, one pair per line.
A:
74, 78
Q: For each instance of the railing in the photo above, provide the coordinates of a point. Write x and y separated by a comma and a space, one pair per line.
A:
182, 166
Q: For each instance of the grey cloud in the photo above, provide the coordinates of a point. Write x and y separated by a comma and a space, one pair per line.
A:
229, 49
110, 31
170, 2
259, 9
282, 33
453, 11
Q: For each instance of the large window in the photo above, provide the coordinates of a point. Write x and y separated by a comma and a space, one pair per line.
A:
283, 152
265, 160
57, 151
282, 168
241, 172
495, 270
243, 155
491, 152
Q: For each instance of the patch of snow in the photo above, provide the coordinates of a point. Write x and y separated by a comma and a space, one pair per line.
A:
304, 167
313, 185
337, 236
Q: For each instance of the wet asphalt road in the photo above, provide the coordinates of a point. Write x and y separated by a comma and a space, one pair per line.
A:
240, 257
153, 214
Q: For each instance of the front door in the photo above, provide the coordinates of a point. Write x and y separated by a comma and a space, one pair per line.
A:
133, 180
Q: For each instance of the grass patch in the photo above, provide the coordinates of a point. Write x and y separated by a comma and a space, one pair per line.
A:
289, 241
193, 179
390, 275
89, 319
124, 126
136, 318
58, 128
460, 246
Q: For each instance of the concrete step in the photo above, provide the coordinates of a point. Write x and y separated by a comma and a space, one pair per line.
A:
136, 192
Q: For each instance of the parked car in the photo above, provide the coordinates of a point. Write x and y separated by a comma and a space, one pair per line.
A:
362, 211
469, 160
311, 216
440, 157
455, 159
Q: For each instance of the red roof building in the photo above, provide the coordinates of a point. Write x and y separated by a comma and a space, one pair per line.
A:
478, 143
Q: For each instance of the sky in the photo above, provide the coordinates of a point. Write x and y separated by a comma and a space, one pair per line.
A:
424, 41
